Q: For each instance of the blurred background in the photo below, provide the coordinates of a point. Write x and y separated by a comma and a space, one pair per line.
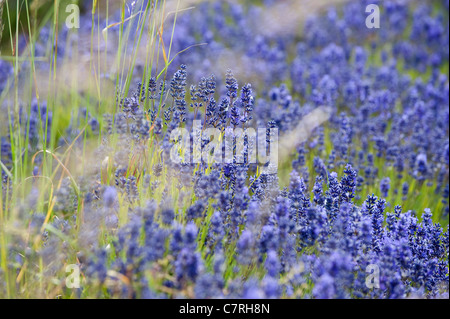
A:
80, 50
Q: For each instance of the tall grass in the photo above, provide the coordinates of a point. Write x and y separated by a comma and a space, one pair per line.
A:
145, 22
107, 78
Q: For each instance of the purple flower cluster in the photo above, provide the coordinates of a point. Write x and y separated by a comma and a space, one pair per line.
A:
6, 71
327, 228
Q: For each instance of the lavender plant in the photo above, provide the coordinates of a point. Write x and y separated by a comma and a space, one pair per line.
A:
97, 187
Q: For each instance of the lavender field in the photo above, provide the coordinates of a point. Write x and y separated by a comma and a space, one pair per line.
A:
264, 149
